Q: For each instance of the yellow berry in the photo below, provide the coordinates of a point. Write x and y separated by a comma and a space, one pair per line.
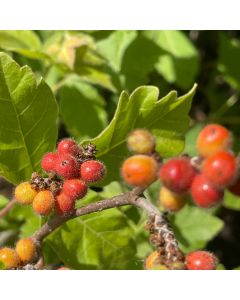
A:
43, 203
26, 250
152, 262
24, 193
9, 258
170, 201
141, 141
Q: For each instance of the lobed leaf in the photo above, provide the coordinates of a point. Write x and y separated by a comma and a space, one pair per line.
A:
28, 113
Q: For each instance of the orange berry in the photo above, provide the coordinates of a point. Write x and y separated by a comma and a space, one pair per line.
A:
139, 170
152, 262
213, 138
171, 201
141, 141
43, 203
26, 250
24, 193
9, 258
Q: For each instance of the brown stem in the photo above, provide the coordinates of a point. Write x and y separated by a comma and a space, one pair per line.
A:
7, 208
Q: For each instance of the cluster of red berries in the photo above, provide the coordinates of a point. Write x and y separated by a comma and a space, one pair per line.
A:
204, 177
73, 176
197, 260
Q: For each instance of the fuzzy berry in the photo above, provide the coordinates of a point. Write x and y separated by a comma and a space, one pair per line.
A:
204, 194
92, 171
43, 203
220, 168
177, 174
24, 193
213, 138
139, 170
64, 204
152, 262
170, 201
67, 166
67, 146
201, 260
49, 162
9, 258
235, 188
26, 250
141, 141
75, 188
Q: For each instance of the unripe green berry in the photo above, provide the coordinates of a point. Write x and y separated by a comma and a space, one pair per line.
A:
141, 141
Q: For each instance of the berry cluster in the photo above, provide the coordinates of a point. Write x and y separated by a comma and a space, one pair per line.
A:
70, 169
197, 260
203, 177
25, 252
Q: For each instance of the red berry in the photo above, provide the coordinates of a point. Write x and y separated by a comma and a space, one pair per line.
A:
139, 170
64, 204
220, 168
67, 146
75, 188
177, 174
235, 188
213, 138
92, 171
49, 162
67, 166
204, 194
201, 260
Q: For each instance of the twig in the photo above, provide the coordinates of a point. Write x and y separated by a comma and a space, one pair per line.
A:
161, 234
7, 208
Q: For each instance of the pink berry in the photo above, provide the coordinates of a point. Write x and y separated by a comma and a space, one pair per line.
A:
177, 174
204, 194
75, 188
92, 171
67, 146
49, 162
201, 260
67, 166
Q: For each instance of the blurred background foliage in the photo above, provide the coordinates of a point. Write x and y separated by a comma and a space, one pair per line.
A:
87, 70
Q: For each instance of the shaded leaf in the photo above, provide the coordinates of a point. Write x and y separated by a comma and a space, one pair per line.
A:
178, 62
82, 109
194, 227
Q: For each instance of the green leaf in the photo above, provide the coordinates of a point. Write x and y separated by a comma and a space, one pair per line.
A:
28, 113
194, 227
115, 45
228, 63
2, 266
167, 119
191, 138
82, 109
3, 201
178, 62
30, 221
138, 62
231, 201
24, 42
98, 241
